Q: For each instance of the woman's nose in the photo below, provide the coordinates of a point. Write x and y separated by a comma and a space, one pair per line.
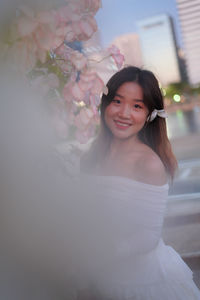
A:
124, 111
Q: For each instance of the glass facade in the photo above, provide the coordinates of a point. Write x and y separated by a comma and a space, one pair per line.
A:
159, 48
189, 17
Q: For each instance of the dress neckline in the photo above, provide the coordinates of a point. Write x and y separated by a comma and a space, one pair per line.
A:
133, 181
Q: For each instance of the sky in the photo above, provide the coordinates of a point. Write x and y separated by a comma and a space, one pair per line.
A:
117, 17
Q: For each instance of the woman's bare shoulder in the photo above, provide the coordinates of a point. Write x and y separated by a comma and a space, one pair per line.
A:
150, 168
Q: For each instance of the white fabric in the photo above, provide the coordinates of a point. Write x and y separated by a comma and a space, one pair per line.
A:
135, 263
157, 112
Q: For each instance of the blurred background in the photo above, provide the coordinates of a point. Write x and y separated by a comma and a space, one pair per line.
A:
163, 36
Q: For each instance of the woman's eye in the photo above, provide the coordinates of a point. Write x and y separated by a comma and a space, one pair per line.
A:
138, 106
116, 101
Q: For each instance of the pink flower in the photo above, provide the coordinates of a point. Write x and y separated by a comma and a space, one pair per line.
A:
64, 52
94, 102
88, 26
65, 64
84, 117
68, 13
32, 25
67, 16
87, 80
67, 92
116, 55
85, 85
70, 35
91, 5
40, 30
77, 92
92, 86
44, 38
78, 60
47, 30
84, 28
98, 86
77, 18
85, 122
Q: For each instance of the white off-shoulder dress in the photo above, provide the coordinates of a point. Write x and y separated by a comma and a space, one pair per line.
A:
127, 258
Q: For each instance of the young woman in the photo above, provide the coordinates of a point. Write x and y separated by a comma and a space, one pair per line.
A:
131, 162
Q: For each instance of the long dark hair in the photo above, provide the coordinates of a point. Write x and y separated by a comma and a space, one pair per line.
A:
153, 134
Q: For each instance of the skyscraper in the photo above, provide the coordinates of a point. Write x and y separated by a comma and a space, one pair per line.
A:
159, 48
189, 16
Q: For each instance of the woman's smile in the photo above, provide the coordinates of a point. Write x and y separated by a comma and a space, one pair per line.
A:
126, 115
122, 125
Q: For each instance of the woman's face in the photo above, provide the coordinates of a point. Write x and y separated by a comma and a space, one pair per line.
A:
125, 116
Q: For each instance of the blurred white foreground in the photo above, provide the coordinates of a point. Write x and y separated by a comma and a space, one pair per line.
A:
54, 230
38, 220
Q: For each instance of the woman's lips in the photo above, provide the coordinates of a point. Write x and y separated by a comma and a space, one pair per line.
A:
122, 125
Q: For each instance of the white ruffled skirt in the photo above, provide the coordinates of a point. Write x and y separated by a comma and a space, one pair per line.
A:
158, 275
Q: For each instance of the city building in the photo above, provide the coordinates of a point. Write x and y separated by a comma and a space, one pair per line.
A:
129, 46
159, 48
189, 17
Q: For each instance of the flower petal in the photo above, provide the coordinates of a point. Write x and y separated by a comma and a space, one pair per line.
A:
78, 60
97, 86
77, 92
